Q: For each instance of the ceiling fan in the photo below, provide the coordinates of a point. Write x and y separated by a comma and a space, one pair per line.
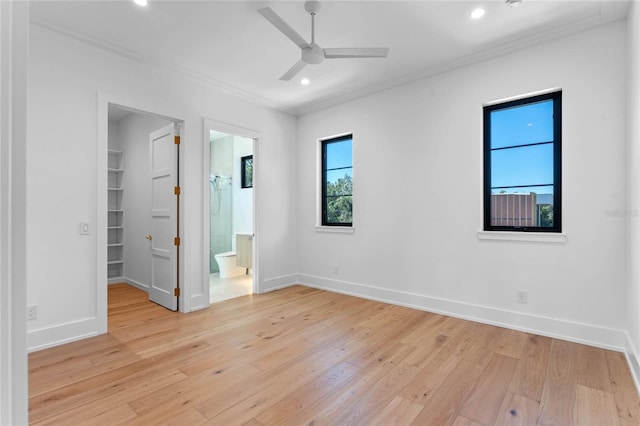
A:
311, 52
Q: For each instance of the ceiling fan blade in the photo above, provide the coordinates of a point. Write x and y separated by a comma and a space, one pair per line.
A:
356, 52
285, 28
293, 70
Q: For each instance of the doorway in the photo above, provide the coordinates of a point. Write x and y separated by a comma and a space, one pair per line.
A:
142, 222
229, 200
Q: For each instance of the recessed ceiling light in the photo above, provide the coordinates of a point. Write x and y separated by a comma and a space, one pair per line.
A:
305, 81
477, 13
140, 2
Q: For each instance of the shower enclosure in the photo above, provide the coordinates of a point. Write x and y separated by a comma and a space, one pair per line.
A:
221, 204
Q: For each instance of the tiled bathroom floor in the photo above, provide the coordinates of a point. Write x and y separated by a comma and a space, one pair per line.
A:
228, 288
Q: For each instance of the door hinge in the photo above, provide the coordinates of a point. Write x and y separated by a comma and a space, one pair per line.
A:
176, 140
176, 241
176, 190
176, 291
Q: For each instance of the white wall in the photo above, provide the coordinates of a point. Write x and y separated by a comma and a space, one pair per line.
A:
66, 79
418, 195
633, 177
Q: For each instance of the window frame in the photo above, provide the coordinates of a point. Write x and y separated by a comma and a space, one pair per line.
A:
245, 180
556, 97
324, 222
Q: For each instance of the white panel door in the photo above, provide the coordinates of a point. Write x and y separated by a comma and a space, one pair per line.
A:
164, 217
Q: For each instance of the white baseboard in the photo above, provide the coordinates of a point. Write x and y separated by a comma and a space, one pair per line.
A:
632, 359
49, 337
136, 284
588, 334
277, 283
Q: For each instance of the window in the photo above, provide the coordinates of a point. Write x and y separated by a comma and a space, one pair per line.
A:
337, 181
246, 171
522, 164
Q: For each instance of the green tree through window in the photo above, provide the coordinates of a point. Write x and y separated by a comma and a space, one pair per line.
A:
340, 200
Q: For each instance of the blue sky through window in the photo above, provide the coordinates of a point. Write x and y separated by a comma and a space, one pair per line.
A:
525, 165
339, 156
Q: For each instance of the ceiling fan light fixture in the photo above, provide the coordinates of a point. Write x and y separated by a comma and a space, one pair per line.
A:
305, 81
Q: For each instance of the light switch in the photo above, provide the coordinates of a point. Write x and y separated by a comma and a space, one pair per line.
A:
84, 228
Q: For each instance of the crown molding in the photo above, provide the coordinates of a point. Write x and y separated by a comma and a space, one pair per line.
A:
609, 12
199, 77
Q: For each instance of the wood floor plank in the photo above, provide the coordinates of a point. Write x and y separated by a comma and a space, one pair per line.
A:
595, 407
511, 343
105, 383
445, 404
399, 411
557, 406
300, 356
304, 397
528, 379
588, 373
518, 410
365, 408
427, 380
463, 421
626, 395
190, 392
276, 385
323, 411
91, 406
484, 402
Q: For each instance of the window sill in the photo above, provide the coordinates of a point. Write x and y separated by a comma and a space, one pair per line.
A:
533, 237
336, 229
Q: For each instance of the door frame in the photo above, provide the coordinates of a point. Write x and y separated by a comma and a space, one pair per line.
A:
231, 129
104, 100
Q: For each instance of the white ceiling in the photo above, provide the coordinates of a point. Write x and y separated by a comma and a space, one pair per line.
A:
227, 44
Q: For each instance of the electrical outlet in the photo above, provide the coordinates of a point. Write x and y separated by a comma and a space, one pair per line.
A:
84, 228
32, 312
521, 296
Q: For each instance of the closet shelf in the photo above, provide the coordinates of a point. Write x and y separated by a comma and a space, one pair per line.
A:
115, 225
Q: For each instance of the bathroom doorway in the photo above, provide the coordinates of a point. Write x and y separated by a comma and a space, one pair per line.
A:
230, 186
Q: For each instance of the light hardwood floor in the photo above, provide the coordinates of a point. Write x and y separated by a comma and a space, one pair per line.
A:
304, 356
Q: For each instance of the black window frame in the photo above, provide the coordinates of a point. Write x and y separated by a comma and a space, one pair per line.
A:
324, 197
246, 179
556, 97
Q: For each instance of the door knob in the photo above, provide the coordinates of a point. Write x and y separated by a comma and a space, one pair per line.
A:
149, 237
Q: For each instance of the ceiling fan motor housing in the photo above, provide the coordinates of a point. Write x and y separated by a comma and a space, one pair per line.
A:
313, 54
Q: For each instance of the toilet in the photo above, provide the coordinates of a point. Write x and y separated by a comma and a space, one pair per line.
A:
227, 265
